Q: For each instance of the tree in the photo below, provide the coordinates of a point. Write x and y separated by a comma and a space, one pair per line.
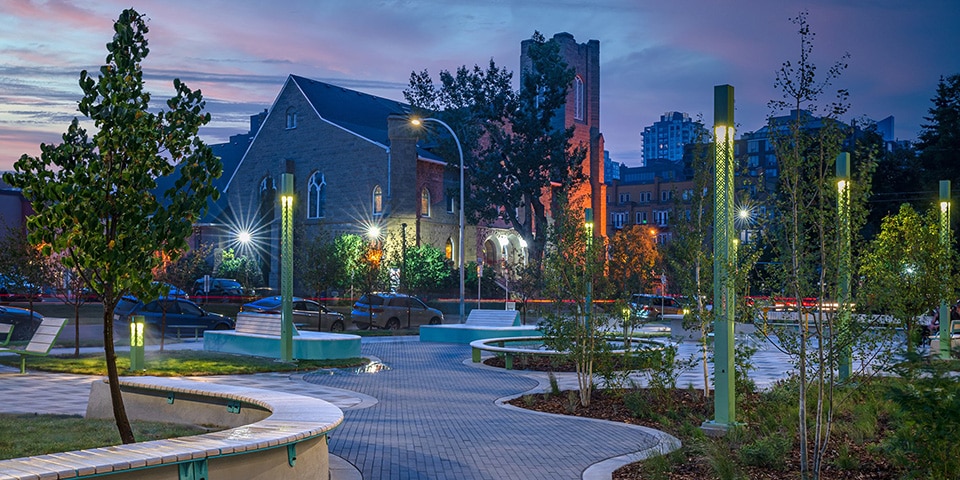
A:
351, 249
515, 146
689, 253
318, 263
572, 263
186, 268
426, 268
806, 241
939, 140
905, 271
93, 195
244, 269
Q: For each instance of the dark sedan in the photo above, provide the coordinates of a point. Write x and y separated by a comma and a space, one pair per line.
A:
307, 314
24, 322
182, 316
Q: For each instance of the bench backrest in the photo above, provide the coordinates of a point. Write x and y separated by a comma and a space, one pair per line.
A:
260, 324
493, 318
46, 335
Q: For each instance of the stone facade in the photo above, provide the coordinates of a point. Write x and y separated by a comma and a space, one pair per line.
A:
314, 132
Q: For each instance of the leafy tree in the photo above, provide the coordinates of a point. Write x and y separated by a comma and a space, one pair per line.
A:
515, 145
23, 267
92, 195
905, 272
241, 267
939, 141
351, 249
185, 269
806, 240
572, 261
318, 264
689, 255
426, 268
633, 260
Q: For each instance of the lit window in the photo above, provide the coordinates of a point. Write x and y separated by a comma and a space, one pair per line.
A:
578, 98
448, 249
377, 200
424, 202
316, 196
291, 118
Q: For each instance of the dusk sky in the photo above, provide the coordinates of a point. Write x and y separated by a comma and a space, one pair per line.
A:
656, 56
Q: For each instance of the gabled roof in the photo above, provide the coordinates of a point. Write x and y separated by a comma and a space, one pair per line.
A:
360, 113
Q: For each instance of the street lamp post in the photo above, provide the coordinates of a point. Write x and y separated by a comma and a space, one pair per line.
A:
460, 242
724, 257
945, 323
286, 268
845, 270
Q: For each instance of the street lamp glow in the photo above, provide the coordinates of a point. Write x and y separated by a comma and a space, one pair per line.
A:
373, 232
244, 237
419, 122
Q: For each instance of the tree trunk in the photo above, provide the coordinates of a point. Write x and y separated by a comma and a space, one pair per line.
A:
116, 398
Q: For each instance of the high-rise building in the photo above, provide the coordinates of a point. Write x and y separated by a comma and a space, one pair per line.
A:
664, 140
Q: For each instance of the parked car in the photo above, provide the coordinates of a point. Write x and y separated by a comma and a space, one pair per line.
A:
24, 321
219, 287
654, 307
182, 316
393, 311
15, 288
307, 314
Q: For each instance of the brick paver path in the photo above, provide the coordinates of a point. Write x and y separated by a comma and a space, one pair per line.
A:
437, 419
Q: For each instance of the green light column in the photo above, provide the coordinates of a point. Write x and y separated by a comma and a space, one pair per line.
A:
945, 245
286, 267
588, 226
843, 266
724, 257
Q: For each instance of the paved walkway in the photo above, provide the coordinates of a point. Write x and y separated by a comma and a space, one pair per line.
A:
427, 413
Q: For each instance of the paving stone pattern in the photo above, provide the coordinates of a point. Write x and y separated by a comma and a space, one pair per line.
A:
436, 418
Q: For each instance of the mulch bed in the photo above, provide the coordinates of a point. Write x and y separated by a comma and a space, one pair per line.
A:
690, 403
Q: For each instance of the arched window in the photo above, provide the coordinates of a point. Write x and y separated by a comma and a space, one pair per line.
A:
578, 98
377, 200
424, 202
316, 196
291, 118
448, 250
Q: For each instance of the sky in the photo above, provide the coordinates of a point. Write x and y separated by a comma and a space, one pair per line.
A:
655, 56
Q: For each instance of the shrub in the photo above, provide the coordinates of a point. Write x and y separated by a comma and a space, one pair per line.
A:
766, 452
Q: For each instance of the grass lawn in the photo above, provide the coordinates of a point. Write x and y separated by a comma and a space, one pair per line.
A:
30, 434
24, 435
176, 363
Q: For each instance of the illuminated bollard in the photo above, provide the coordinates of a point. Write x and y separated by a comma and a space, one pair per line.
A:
136, 343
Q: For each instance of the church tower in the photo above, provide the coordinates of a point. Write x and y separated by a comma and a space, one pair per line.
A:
582, 111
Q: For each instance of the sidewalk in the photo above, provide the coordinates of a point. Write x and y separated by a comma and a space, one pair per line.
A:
428, 413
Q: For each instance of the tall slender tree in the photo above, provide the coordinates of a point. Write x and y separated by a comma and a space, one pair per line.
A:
92, 195
513, 147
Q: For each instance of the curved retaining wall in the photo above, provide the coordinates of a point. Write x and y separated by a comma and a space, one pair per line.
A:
269, 435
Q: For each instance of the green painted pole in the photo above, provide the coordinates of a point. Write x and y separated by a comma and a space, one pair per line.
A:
724, 257
286, 267
945, 245
588, 226
844, 267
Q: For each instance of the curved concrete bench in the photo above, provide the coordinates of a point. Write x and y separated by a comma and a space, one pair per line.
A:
483, 345
269, 435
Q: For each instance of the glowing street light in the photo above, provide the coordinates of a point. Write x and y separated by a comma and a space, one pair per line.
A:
845, 269
418, 122
286, 267
724, 255
244, 237
945, 323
